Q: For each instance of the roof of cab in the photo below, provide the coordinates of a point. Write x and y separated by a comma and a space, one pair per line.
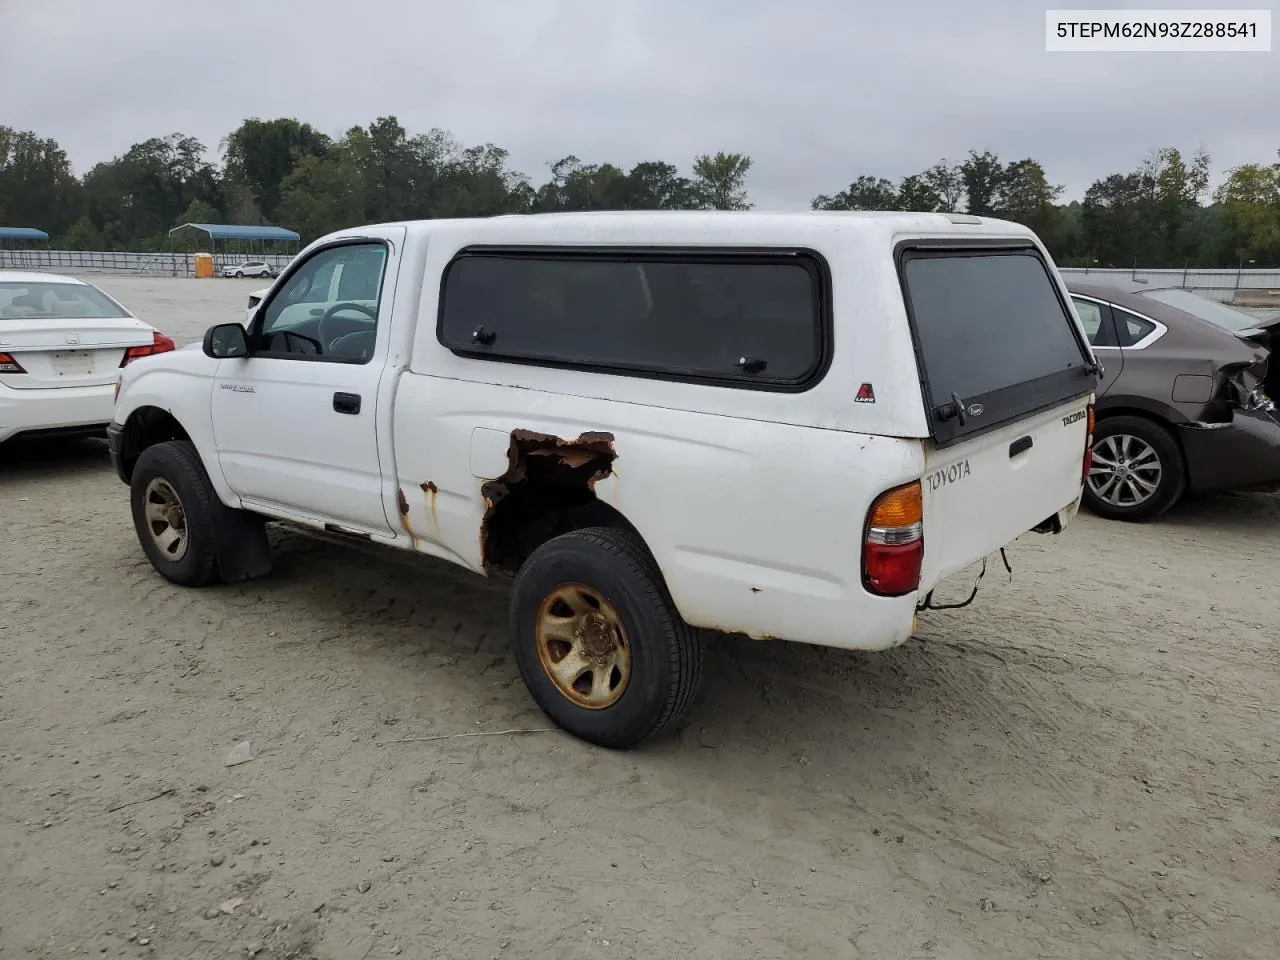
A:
30, 276
724, 222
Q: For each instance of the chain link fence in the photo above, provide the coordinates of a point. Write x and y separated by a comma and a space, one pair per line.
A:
162, 264
1229, 286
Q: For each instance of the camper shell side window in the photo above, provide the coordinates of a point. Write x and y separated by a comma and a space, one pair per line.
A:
753, 319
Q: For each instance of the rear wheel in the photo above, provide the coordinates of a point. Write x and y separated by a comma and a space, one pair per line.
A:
1138, 469
173, 510
598, 641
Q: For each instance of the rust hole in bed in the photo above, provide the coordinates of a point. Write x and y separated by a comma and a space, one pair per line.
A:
548, 482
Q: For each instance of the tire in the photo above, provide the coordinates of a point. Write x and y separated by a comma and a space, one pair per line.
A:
662, 653
1129, 441
175, 465
239, 274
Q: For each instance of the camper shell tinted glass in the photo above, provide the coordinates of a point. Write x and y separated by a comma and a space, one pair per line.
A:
755, 319
994, 338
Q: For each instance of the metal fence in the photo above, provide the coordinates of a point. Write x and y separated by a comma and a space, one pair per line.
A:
162, 264
1224, 285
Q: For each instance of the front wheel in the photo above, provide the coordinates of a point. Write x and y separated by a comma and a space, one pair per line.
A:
172, 502
239, 274
1138, 469
598, 641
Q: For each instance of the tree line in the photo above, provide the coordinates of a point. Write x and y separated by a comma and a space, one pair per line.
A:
284, 171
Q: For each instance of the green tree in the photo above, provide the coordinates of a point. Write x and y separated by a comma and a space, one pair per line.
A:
394, 170
1175, 188
1113, 219
654, 185
578, 186
650, 185
864, 193
1250, 201
37, 186
260, 154
948, 183
917, 194
82, 235
982, 175
720, 181
1025, 195
476, 182
323, 194
198, 212
143, 192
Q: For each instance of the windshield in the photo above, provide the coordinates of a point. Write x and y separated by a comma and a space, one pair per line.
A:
54, 301
1219, 314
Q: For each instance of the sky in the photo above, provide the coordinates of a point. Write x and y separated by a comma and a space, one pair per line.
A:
816, 92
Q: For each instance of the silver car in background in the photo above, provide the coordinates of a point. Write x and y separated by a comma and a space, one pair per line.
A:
1187, 398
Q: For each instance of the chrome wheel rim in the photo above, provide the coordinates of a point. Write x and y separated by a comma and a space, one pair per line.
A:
166, 519
1126, 470
583, 646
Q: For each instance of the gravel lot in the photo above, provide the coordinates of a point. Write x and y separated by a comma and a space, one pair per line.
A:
1083, 763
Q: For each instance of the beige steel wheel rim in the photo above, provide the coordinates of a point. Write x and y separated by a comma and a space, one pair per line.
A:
166, 519
583, 646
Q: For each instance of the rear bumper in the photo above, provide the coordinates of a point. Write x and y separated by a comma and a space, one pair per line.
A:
62, 410
1241, 455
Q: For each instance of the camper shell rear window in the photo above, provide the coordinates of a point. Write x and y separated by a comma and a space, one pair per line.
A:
995, 339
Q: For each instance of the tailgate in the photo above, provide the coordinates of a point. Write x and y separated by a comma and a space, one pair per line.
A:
985, 492
1006, 376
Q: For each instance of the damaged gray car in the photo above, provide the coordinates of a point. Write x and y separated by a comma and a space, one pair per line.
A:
1186, 400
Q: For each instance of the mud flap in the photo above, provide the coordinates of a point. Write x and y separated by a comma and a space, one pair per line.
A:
241, 544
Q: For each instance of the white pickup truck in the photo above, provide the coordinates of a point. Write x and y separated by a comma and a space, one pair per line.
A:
786, 426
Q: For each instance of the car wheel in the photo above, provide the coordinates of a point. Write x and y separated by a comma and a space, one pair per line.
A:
1138, 469
173, 513
239, 273
598, 641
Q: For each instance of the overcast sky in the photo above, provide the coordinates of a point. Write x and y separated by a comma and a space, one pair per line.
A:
815, 91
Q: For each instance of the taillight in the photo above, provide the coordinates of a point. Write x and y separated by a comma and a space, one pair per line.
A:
10, 365
1091, 420
159, 344
893, 545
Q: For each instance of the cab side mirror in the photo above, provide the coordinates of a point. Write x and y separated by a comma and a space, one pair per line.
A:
226, 340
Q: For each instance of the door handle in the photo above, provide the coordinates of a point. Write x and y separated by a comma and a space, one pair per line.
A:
1021, 445
346, 403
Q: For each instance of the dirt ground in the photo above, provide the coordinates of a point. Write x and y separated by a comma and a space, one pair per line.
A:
1083, 763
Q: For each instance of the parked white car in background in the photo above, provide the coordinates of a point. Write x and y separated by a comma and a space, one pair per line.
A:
62, 344
255, 298
250, 268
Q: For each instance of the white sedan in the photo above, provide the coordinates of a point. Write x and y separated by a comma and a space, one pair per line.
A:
62, 344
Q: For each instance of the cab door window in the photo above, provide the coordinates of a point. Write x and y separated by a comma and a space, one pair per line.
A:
328, 308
